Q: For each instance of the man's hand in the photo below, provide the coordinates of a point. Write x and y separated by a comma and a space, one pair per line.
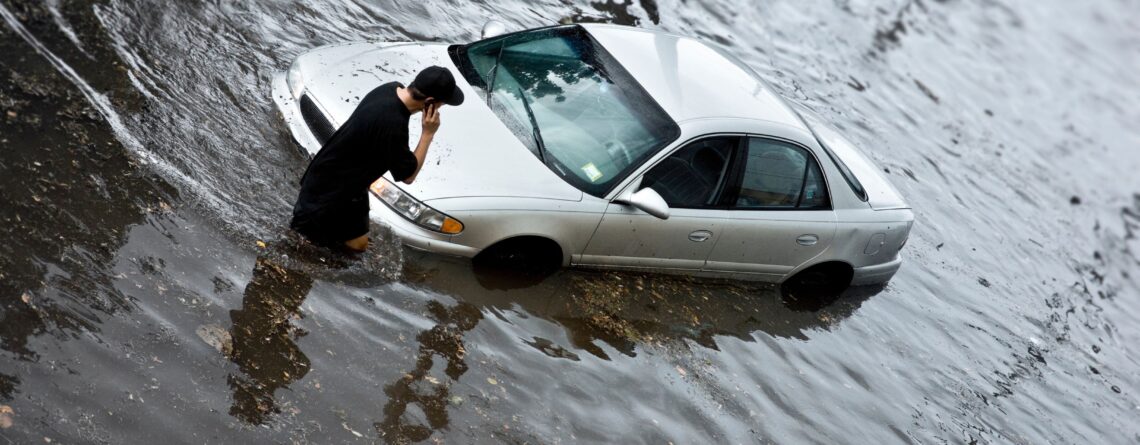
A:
430, 124
431, 119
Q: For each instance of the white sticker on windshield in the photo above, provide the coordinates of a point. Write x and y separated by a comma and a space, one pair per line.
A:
592, 172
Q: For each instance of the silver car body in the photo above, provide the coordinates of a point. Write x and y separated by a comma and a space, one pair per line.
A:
480, 173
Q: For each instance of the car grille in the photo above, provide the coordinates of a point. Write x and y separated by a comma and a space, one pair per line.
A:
316, 120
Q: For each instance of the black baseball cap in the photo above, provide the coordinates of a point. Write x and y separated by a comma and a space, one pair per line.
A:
437, 82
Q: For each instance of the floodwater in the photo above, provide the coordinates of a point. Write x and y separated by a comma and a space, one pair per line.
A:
150, 294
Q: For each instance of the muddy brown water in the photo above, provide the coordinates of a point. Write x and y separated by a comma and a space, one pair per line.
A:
148, 293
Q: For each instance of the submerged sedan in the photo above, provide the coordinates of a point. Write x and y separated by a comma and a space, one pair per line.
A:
615, 147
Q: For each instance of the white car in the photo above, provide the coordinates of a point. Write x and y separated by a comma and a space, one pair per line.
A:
615, 147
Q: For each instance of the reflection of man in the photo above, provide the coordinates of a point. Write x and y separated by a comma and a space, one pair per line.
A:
418, 387
263, 339
332, 208
7, 387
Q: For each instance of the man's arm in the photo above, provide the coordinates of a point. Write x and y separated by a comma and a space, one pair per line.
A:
421, 154
430, 126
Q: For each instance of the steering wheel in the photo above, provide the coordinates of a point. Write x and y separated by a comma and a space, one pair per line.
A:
614, 146
748, 201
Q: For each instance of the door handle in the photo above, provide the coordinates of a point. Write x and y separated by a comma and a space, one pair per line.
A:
700, 236
807, 240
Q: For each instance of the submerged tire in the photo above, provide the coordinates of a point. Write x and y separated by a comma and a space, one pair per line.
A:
817, 286
517, 262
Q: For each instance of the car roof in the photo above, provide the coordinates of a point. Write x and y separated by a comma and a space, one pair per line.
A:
691, 79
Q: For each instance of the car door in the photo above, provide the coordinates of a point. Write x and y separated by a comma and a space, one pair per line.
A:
692, 181
779, 211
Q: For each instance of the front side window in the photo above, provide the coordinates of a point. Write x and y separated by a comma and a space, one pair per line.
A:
569, 102
693, 176
779, 175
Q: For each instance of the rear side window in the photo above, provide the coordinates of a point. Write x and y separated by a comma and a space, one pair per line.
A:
779, 175
827, 137
815, 193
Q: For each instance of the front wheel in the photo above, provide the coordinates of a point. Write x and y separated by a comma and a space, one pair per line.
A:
518, 262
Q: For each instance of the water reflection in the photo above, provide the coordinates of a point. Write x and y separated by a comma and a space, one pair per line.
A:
264, 339
623, 310
7, 386
550, 78
418, 388
627, 309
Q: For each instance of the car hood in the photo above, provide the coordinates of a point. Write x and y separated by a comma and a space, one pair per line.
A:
473, 153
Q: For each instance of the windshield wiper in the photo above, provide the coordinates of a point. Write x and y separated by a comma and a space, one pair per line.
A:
534, 124
494, 73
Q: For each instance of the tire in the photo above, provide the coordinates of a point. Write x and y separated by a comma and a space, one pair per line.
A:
517, 262
816, 287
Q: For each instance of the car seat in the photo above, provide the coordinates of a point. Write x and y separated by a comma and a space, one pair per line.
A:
774, 178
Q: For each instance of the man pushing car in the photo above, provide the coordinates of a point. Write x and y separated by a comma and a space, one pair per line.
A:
332, 207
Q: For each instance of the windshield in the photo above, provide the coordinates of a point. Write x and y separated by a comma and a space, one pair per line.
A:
569, 102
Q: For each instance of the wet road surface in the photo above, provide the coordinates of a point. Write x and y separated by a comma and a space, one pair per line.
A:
149, 292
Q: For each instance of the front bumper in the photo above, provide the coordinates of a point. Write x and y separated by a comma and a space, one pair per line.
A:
878, 273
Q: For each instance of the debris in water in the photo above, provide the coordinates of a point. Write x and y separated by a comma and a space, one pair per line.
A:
1075, 200
354, 432
927, 91
261, 244
492, 381
217, 337
681, 371
27, 299
6, 415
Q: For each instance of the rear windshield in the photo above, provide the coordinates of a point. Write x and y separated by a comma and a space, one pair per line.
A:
827, 138
569, 102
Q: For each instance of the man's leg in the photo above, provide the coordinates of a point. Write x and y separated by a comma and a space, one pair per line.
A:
358, 244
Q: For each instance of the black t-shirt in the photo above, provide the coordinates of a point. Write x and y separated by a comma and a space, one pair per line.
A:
373, 141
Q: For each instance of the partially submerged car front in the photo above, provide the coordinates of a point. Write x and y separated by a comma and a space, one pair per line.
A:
493, 168
321, 90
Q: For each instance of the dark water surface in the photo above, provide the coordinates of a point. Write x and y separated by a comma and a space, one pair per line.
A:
148, 293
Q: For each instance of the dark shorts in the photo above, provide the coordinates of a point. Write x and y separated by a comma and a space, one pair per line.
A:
332, 225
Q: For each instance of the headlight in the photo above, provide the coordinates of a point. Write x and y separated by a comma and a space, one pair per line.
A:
413, 210
293, 79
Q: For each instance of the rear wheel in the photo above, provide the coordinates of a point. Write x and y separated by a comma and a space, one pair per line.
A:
817, 286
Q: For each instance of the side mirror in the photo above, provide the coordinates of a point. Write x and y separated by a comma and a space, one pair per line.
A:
647, 200
493, 28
